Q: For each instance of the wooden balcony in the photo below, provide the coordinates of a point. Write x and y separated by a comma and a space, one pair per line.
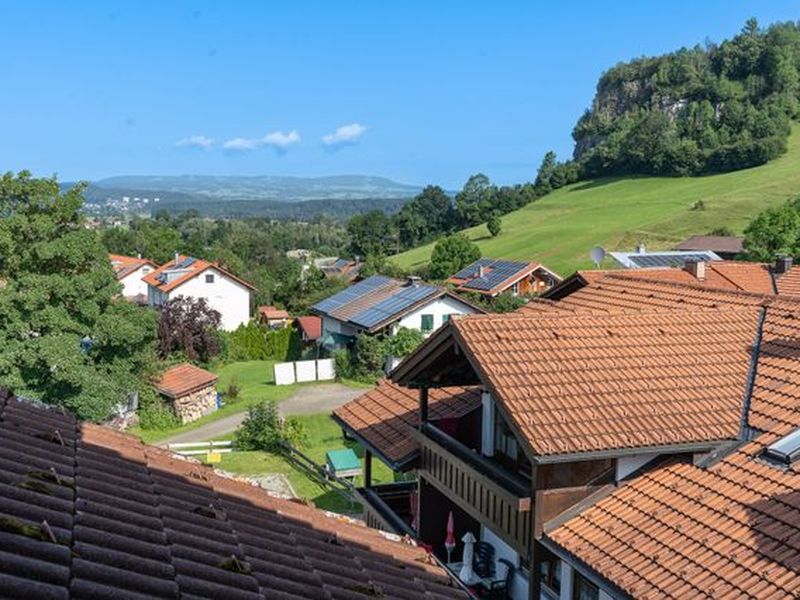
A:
478, 485
388, 506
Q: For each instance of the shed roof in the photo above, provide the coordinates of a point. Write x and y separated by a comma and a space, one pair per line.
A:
725, 244
183, 379
311, 326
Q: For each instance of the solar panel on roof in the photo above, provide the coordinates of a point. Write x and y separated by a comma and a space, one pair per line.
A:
393, 305
665, 260
472, 270
186, 262
352, 293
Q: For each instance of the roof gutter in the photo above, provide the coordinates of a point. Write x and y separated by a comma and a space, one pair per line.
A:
704, 446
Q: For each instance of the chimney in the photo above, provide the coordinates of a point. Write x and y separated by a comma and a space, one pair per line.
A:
641, 248
139, 255
412, 281
481, 271
697, 268
782, 264
177, 258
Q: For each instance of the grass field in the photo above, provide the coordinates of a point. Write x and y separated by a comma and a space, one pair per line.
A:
257, 382
616, 213
324, 435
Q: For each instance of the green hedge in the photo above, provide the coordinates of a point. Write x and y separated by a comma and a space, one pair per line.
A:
256, 342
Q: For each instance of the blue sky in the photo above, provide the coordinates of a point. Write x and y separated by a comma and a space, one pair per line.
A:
422, 92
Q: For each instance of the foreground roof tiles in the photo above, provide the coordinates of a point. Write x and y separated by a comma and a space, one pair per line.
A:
602, 382
86, 512
383, 415
184, 379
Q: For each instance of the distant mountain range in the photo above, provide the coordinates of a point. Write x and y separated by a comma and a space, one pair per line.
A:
265, 187
295, 198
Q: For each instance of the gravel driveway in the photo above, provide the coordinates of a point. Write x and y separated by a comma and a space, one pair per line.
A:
323, 397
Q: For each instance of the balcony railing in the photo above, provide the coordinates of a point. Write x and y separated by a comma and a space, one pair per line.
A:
386, 505
477, 485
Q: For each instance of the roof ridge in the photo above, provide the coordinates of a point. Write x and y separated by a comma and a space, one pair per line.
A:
693, 286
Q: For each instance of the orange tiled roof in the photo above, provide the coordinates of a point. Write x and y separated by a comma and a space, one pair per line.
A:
720, 274
125, 265
311, 326
789, 283
579, 383
196, 268
729, 530
383, 415
88, 512
184, 379
272, 312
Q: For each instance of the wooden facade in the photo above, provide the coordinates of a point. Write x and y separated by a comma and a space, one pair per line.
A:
480, 488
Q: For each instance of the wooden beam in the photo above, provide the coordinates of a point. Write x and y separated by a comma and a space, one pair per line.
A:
367, 469
423, 406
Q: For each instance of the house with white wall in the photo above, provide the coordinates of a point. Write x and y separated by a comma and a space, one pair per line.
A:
196, 278
130, 272
381, 304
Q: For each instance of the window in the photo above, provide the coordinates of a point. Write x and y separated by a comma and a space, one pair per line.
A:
210, 278
550, 571
145, 270
427, 323
583, 589
515, 289
446, 318
786, 450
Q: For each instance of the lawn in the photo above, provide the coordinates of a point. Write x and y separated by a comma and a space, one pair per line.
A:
324, 434
616, 213
257, 382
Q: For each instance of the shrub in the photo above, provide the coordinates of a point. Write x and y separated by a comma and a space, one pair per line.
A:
698, 205
264, 429
232, 392
155, 414
256, 342
494, 225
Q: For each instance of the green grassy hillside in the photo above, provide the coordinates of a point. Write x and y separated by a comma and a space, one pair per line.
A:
616, 213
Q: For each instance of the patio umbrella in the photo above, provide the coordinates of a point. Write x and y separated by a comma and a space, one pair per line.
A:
450, 541
467, 575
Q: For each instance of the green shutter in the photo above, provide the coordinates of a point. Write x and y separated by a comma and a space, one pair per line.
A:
427, 323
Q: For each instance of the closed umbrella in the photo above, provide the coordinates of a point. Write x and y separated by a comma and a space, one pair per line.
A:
467, 575
450, 541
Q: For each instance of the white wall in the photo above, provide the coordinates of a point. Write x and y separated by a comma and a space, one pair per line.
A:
519, 589
225, 295
628, 464
132, 284
439, 307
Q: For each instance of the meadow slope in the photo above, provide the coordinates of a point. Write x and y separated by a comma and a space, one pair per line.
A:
616, 213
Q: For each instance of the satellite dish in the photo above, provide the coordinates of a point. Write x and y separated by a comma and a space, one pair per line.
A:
597, 254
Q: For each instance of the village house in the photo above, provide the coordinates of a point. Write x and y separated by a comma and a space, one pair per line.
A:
196, 278
727, 247
130, 272
641, 258
381, 304
595, 453
190, 391
273, 317
491, 277
88, 512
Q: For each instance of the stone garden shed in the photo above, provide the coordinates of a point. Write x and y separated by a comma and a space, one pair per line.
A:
190, 390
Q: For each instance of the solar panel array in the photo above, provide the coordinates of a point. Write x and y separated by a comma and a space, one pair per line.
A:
395, 304
353, 293
497, 271
186, 262
665, 260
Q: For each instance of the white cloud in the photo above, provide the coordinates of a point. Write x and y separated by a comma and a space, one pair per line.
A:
241, 144
195, 141
346, 134
278, 140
